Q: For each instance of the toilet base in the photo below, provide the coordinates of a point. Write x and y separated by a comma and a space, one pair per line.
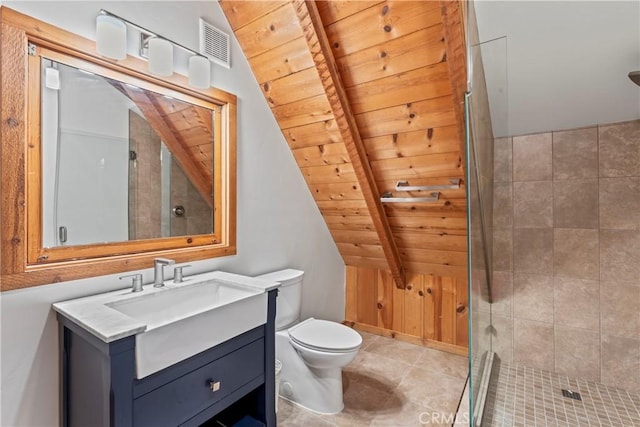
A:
317, 390
293, 402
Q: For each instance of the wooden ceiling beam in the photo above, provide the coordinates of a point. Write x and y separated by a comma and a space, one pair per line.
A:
455, 48
206, 116
325, 63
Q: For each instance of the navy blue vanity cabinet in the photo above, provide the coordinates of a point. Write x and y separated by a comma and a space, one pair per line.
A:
99, 388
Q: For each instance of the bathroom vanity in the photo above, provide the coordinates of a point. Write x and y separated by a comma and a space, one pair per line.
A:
138, 360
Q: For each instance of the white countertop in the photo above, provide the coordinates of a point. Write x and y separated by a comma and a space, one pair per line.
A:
94, 315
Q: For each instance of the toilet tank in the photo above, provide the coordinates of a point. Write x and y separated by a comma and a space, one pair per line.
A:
289, 298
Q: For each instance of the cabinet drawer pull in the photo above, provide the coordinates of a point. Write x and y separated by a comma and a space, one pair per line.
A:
214, 385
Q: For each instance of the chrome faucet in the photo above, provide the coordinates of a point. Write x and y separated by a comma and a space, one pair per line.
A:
158, 271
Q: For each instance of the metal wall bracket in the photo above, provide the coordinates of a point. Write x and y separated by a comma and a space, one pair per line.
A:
144, 44
404, 186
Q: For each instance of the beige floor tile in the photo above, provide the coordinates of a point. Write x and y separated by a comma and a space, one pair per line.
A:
406, 414
396, 350
362, 404
367, 339
391, 383
291, 415
433, 389
447, 363
376, 371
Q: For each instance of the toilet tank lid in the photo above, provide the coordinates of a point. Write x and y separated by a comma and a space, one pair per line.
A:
285, 277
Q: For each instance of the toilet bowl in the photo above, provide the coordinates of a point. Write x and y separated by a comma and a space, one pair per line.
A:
323, 344
312, 352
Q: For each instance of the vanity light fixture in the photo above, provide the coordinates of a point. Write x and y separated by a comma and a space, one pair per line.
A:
111, 37
111, 41
199, 72
160, 57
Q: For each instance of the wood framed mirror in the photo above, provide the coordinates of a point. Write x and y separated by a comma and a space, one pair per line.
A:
105, 167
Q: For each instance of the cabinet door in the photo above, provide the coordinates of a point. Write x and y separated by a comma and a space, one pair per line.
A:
179, 400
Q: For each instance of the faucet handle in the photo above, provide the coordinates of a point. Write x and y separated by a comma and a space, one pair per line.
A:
177, 273
136, 281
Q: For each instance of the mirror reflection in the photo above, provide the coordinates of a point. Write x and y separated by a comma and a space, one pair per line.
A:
120, 162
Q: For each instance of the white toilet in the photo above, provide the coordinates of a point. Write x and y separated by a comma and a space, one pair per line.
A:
312, 352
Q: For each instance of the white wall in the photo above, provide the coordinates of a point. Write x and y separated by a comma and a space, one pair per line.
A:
566, 62
279, 224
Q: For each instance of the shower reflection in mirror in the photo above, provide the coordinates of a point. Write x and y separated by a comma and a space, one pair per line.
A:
107, 175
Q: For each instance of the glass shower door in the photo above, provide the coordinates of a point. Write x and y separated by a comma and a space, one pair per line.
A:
487, 85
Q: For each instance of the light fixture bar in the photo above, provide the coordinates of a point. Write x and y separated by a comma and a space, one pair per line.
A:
144, 30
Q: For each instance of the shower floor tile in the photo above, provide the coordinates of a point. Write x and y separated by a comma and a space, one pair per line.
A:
523, 396
391, 383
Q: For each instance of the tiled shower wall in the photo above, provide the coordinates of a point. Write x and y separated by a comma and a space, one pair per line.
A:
145, 204
198, 217
567, 253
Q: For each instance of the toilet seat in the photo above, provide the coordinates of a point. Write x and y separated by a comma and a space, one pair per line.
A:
325, 336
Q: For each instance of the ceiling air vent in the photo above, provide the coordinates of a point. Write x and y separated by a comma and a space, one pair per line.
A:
214, 44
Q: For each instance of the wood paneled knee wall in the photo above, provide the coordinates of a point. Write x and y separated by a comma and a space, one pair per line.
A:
431, 310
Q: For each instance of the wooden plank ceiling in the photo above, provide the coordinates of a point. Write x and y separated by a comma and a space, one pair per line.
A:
365, 96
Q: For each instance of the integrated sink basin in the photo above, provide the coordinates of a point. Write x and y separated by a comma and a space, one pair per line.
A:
177, 321
172, 304
183, 321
